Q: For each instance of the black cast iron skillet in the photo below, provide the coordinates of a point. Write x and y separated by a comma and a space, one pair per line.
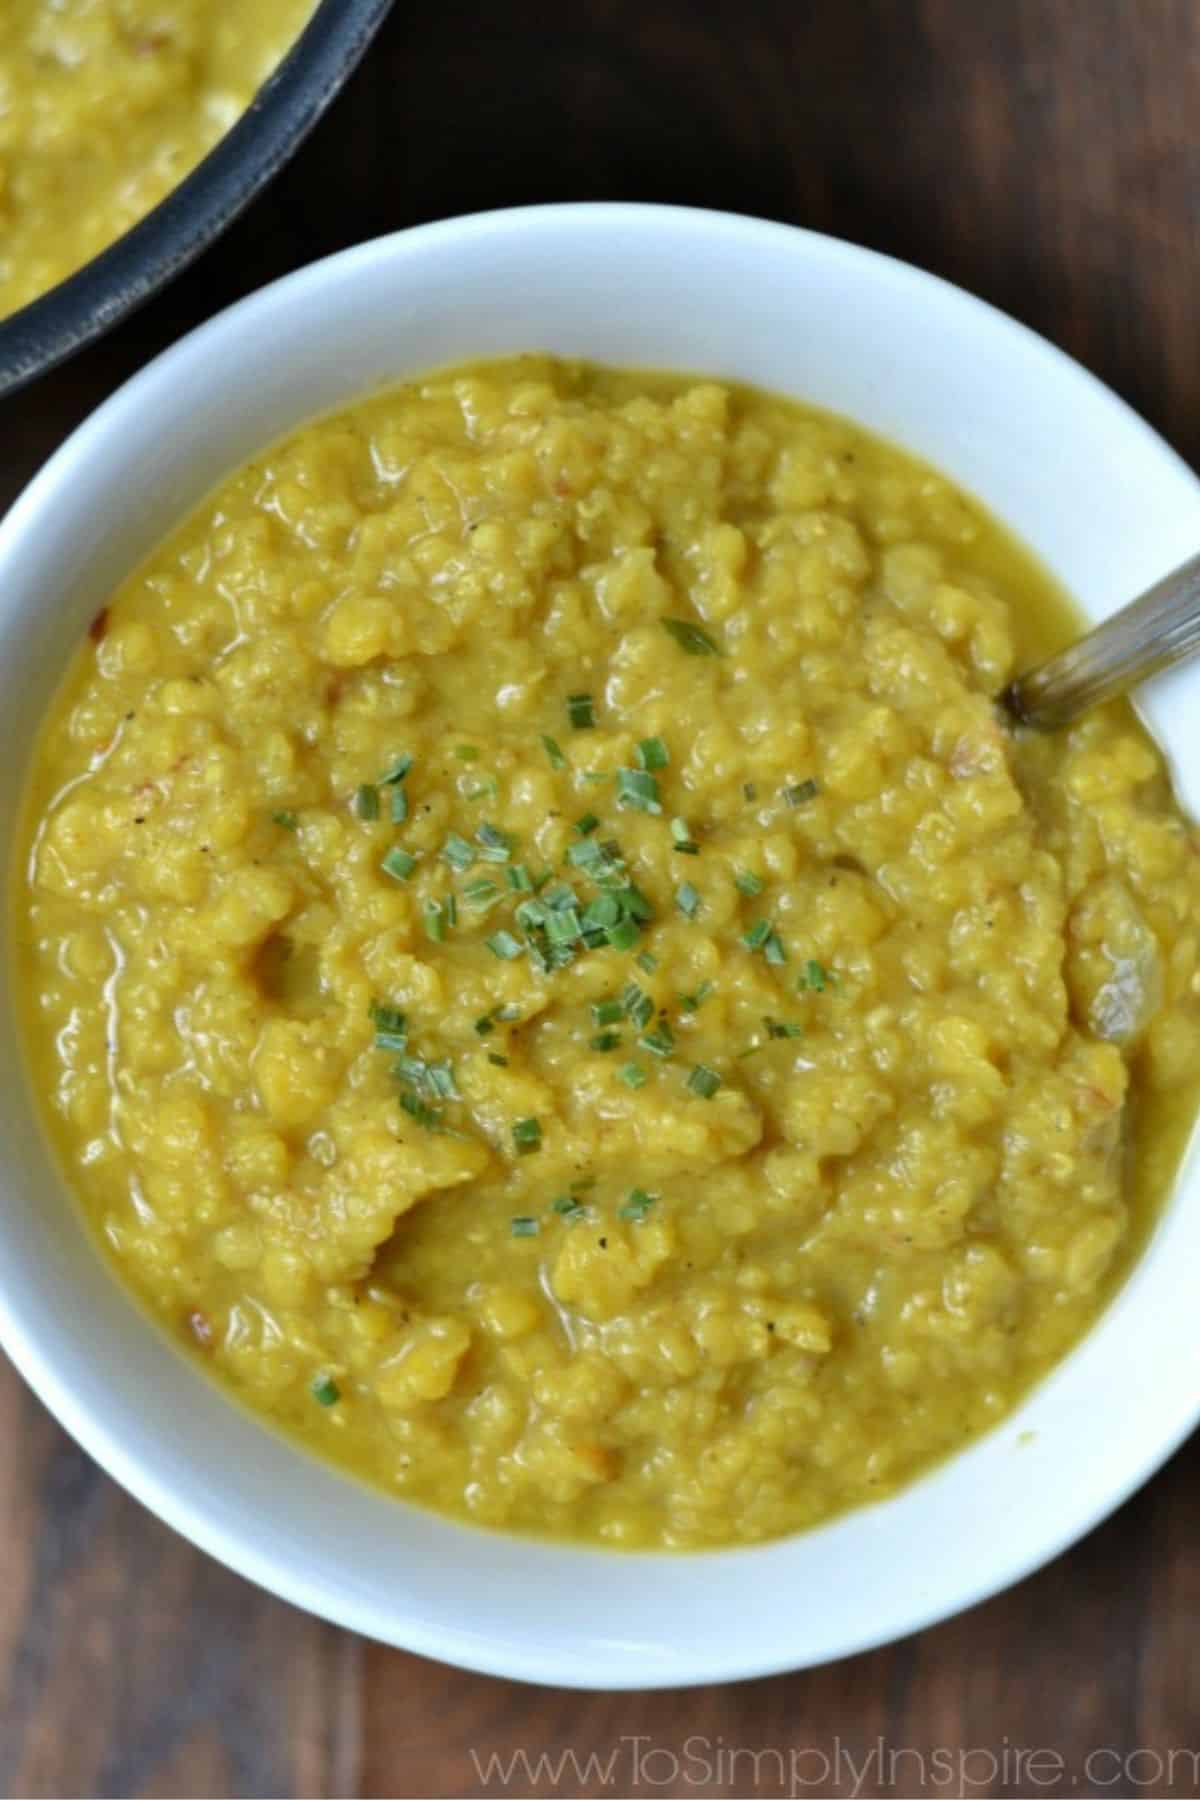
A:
285, 109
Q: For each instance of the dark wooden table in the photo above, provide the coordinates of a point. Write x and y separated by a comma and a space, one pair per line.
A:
1044, 153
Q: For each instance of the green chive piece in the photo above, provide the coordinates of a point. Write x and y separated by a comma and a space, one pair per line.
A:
637, 1005
441, 1080
800, 793
693, 1002
757, 935
623, 935
397, 772
774, 951
399, 804
780, 1028
366, 801
435, 921
638, 789
660, 1041
685, 843
519, 879
554, 752
579, 711
703, 1082
494, 845
325, 1391
814, 977
527, 1136
604, 1040
398, 864
652, 753
607, 1012
601, 912
636, 1205
467, 752
417, 1110
481, 892
391, 1040
747, 882
387, 1018
563, 926
486, 1025
633, 1075
286, 818
687, 899
692, 637
647, 962
635, 903
457, 852
587, 824
523, 1226
567, 1207
504, 945
494, 1056
483, 790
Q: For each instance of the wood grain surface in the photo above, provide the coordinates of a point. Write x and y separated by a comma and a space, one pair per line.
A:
1044, 153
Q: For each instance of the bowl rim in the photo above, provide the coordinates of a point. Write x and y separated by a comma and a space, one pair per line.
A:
109, 287
196, 1514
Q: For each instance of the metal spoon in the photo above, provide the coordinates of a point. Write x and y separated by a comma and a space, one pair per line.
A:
1153, 632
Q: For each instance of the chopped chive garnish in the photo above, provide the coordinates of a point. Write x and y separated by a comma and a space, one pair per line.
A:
587, 824
601, 912
637, 1005
399, 804
457, 852
482, 790
703, 1082
467, 752
366, 801
579, 711
684, 841
652, 753
638, 789
325, 1391
781, 1028
387, 1018
391, 1040
633, 1075
412, 1069
397, 772
692, 638
563, 926
757, 935
596, 775
441, 1080
554, 752
504, 945
774, 951
481, 892
604, 1040
607, 1012
519, 879
527, 1136
647, 962
286, 818
800, 793
635, 903
495, 1057
749, 791
418, 1111
687, 899
486, 1025
523, 1226
636, 1205
494, 845
567, 1207
398, 864
660, 1041
814, 977
693, 1002
747, 882
451, 910
624, 934
435, 920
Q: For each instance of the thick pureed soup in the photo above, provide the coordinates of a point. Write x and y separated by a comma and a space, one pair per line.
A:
105, 106
550, 978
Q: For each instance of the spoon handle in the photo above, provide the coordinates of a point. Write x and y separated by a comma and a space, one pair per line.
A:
1153, 632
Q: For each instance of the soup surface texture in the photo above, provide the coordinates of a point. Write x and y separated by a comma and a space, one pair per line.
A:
105, 106
550, 978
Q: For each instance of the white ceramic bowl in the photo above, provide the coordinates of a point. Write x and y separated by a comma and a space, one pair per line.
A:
1108, 506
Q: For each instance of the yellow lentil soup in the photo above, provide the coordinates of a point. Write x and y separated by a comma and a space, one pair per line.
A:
105, 106
550, 978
